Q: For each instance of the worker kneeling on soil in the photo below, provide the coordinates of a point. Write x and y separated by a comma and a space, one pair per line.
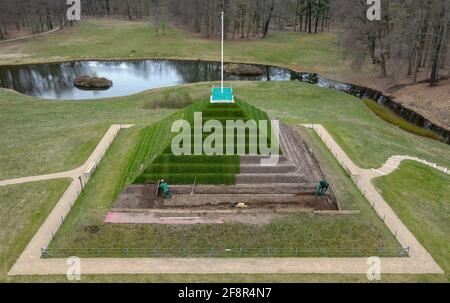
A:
164, 186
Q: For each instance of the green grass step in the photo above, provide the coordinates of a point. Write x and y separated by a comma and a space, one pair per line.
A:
170, 158
237, 148
223, 113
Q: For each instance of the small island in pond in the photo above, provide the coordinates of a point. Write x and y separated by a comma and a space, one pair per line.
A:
243, 69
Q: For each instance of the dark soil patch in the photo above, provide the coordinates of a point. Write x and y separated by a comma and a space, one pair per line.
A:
144, 197
88, 82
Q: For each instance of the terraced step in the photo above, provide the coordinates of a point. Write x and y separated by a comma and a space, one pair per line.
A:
258, 169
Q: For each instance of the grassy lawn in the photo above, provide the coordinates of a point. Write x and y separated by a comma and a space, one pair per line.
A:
41, 136
386, 114
368, 140
233, 278
99, 39
23, 208
304, 104
420, 196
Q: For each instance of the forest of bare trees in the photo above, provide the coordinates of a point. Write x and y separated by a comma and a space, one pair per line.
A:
244, 18
412, 36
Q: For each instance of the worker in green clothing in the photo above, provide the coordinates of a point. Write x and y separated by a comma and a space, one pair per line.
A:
164, 186
322, 188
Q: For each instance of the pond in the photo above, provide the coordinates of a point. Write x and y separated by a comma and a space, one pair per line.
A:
55, 81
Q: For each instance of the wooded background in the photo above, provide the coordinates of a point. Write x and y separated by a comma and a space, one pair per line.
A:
412, 33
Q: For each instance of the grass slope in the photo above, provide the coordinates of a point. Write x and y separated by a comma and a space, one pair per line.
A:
101, 39
84, 227
367, 139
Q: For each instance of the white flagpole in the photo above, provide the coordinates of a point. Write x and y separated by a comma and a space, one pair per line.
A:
222, 56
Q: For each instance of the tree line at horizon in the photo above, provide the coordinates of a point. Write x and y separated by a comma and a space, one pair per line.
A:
411, 37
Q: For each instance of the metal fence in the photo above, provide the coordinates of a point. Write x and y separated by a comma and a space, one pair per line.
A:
241, 252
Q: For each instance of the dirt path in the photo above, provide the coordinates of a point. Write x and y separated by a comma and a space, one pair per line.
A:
30, 36
79, 179
67, 174
419, 261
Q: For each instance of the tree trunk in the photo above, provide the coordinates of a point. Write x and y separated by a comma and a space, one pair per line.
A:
317, 17
267, 23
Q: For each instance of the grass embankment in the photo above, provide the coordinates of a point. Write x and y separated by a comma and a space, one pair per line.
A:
103, 39
295, 235
23, 208
42, 136
420, 196
84, 227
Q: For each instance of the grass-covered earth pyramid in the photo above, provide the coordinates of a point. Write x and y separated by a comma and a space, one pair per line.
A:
243, 69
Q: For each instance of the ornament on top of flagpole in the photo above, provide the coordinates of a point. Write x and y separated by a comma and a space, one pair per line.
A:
222, 94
